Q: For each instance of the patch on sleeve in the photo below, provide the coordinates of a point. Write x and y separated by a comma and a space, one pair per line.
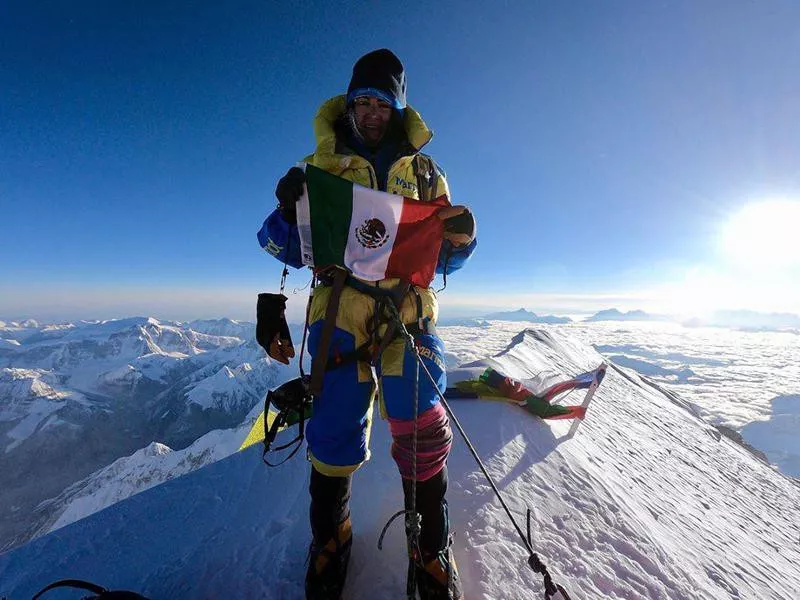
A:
273, 248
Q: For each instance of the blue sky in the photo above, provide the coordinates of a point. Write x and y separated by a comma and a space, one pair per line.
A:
604, 147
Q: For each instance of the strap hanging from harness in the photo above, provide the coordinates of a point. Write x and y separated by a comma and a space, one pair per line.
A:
271, 432
318, 365
293, 403
426, 182
383, 302
413, 520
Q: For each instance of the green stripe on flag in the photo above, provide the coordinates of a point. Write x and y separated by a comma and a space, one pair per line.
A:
331, 207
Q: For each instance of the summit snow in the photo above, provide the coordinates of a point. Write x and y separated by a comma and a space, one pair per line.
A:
647, 500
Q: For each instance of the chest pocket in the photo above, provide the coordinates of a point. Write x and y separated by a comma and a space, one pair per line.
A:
357, 173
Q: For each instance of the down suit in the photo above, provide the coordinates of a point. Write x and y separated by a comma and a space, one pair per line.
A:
339, 430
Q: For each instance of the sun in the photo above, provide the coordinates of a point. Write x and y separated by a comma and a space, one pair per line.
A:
764, 235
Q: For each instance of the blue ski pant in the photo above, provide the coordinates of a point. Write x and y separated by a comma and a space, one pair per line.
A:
338, 432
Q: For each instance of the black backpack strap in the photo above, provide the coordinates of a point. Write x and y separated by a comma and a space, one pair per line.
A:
273, 431
270, 432
434, 180
320, 360
427, 182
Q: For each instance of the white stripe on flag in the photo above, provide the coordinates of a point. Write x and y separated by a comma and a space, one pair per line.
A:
373, 229
304, 226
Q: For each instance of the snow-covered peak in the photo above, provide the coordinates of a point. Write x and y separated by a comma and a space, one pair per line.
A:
28, 398
226, 388
110, 326
125, 375
10, 330
153, 449
168, 339
224, 328
25, 385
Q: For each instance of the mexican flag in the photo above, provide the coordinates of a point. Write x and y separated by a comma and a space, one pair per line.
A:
374, 234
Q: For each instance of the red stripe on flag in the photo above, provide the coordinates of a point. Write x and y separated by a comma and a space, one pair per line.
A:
419, 239
558, 389
575, 412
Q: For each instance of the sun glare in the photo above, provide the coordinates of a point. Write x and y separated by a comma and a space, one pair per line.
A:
765, 235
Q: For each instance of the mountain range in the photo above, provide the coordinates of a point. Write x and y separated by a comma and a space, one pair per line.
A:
525, 315
74, 398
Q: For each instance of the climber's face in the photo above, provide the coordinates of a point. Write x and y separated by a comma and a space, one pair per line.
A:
372, 118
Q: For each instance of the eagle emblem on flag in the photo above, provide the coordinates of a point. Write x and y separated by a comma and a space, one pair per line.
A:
372, 233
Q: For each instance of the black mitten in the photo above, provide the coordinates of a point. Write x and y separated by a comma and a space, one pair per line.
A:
463, 223
272, 330
288, 192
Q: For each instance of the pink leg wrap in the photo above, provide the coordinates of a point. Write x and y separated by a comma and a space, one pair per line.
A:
434, 440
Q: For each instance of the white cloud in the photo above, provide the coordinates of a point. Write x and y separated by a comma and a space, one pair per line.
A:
699, 291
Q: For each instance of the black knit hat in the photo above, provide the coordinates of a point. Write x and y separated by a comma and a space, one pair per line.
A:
380, 74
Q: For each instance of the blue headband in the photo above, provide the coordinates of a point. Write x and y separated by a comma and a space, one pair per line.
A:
375, 93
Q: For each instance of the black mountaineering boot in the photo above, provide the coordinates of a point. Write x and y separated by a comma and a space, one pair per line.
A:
437, 577
436, 573
332, 536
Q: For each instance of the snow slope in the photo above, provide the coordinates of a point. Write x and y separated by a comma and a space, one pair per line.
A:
133, 474
645, 501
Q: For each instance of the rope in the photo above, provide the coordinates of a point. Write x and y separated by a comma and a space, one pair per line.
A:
305, 325
413, 520
444, 271
534, 562
285, 272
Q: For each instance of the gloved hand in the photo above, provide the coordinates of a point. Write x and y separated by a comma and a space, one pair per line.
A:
288, 192
272, 331
459, 225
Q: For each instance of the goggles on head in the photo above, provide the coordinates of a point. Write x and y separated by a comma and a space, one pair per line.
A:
375, 93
